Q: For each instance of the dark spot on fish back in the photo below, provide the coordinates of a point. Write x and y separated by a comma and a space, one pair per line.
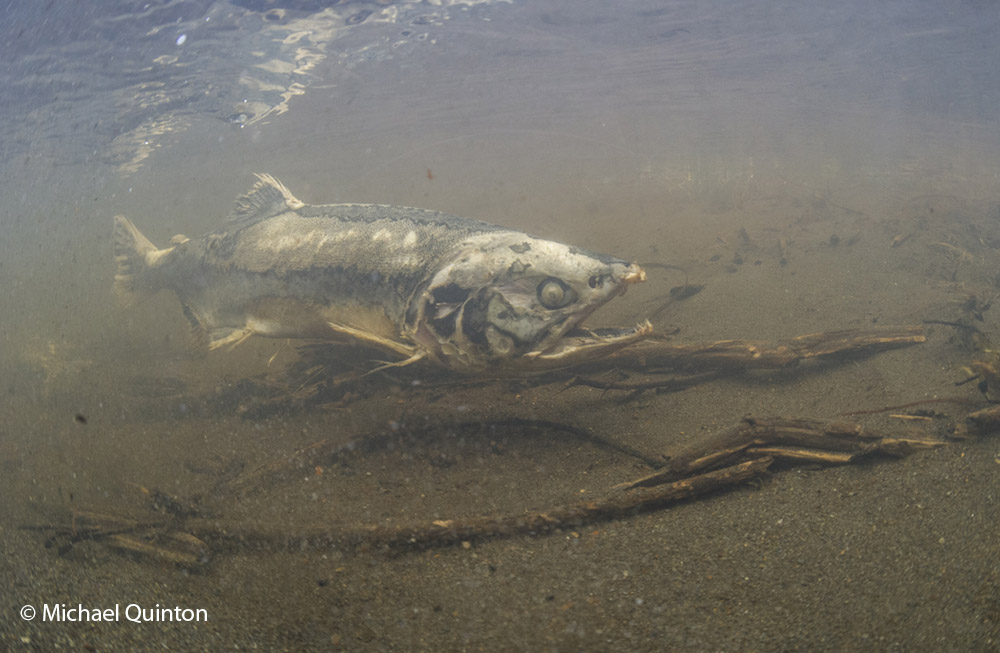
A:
517, 267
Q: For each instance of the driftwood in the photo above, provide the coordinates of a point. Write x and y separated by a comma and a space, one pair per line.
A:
664, 366
748, 354
723, 461
791, 440
708, 465
239, 538
188, 543
726, 460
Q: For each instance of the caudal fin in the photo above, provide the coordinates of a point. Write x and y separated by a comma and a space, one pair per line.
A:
134, 255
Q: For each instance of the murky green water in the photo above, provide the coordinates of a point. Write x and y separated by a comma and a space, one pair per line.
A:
814, 166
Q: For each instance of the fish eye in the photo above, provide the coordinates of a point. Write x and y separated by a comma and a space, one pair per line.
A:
595, 281
553, 293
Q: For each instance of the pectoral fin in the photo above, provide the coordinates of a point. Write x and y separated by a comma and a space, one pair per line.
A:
372, 340
419, 356
230, 338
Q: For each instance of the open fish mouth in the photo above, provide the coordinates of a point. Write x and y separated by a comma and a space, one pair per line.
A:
577, 343
571, 343
581, 345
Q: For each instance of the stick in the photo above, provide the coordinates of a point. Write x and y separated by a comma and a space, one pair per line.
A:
795, 440
239, 538
745, 354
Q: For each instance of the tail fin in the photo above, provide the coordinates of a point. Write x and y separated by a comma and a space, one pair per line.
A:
136, 257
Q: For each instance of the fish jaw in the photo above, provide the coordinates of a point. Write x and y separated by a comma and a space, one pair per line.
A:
593, 345
624, 275
573, 345
511, 303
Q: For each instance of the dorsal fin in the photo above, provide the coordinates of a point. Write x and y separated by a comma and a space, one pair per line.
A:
267, 198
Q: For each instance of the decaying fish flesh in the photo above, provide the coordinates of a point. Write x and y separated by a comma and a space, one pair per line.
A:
419, 284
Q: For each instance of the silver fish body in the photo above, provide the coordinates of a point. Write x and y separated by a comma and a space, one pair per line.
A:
467, 295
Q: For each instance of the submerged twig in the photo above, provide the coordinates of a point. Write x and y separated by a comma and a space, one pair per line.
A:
793, 440
710, 464
724, 460
238, 538
744, 354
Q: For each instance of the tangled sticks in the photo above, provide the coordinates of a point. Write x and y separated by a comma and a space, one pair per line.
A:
724, 460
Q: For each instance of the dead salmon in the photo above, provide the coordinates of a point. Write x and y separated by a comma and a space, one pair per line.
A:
419, 284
